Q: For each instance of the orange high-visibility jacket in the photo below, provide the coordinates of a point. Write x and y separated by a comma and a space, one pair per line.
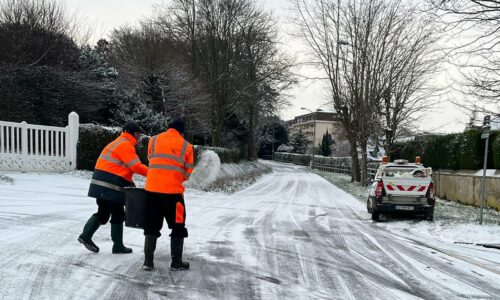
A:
114, 169
119, 158
171, 162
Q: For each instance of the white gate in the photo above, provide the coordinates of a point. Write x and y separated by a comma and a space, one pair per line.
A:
25, 147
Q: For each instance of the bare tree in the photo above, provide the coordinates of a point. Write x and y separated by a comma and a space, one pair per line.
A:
265, 72
45, 15
42, 77
411, 61
232, 46
476, 25
375, 55
150, 60
208, 30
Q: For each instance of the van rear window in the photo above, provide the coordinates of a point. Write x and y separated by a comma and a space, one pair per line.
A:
404, 172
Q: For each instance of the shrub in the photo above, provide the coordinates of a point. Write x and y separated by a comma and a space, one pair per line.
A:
300, 159
408, 151
440, 152
495, 149
471, 150
453, 151
91, 140
226, 155
285, 148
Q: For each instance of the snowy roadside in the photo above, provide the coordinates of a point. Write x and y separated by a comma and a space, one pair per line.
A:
210, 175
4, 179
453, 222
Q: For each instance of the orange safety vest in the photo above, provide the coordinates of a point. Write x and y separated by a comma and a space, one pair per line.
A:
171, 162
114, 169
120, 158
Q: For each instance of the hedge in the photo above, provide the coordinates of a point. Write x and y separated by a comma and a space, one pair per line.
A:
495, 147
471, 150
440, 152
452, 151
225, 155
93, 138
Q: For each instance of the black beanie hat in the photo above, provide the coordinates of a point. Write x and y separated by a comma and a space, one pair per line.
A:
177, 124
131, 128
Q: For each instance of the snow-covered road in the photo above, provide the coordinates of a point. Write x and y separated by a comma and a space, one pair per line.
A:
291, 235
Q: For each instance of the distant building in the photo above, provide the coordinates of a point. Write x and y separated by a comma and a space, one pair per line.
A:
324, 121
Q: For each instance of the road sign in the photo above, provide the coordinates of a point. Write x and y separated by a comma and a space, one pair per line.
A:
485, 135
487, 120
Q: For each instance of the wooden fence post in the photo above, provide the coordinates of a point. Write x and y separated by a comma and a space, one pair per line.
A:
73, 126
24, 146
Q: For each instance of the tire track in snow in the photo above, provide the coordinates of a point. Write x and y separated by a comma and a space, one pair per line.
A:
290, 235
399, 247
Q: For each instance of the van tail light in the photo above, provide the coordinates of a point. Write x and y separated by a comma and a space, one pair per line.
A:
430, 192
379, 189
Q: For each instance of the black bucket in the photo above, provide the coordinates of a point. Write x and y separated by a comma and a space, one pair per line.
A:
135, 207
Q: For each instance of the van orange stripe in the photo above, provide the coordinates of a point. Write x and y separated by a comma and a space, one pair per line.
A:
179, 213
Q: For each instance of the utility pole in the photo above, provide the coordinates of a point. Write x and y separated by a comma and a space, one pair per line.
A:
485, 135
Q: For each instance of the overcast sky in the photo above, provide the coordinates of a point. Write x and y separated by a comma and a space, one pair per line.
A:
104, 15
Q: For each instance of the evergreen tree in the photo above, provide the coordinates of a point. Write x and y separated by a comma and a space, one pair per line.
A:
326, 145
273, 131
132, 107
299, 143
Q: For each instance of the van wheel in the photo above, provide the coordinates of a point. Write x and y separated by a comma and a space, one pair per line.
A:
375, 215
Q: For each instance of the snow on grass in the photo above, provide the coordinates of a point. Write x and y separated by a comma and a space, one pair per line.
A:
453, 222
235, 177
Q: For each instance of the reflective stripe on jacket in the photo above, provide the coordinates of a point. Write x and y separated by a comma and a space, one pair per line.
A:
107, 186
171, 162
114, 169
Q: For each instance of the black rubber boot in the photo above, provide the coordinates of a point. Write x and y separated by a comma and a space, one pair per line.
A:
88, 231
149, 252
117, 237
176, 247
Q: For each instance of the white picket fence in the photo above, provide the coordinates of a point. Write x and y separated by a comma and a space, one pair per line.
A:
36, 148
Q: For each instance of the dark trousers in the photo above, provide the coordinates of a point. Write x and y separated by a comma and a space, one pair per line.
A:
106, 209
165, 206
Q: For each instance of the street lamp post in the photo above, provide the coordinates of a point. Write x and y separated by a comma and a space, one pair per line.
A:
314, 133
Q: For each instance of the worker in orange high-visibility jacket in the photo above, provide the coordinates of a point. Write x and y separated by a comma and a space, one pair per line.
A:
113, 171
171, 162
